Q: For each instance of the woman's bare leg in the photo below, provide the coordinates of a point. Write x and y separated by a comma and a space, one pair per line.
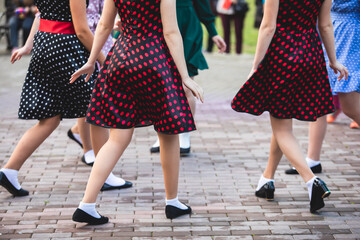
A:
350, 103
105, 161
283, 132
84, 130
99, 137
317, 131
75, 128
170, 159
274, 159
31, 140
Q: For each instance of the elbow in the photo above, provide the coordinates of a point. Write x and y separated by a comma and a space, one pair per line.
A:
81, 34
170, 35
325, 27
268, 29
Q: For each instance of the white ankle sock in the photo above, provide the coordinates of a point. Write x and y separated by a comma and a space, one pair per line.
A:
89, 156
309, 185
156, 144
311, 163
89, 208
176, 203
262, 181
114, 181
77, 136
184, 139
12, 175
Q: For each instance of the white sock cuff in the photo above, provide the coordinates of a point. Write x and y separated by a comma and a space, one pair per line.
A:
267, 179
84, 205
90, 152
10, 171
311, 181
312, 163
171, 200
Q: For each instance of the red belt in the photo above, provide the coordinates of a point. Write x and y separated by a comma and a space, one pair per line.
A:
56, 27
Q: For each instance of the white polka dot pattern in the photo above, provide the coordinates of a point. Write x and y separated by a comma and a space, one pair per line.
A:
347, 42
47, 91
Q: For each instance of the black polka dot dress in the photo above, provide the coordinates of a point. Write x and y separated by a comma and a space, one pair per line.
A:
139, 84
291, 81
55, 57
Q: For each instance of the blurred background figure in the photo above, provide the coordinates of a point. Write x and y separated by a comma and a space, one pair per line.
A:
346, 20
22, 14
258, 12
232, 11
210, 42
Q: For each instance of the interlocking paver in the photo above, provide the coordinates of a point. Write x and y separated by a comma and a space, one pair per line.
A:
218, 179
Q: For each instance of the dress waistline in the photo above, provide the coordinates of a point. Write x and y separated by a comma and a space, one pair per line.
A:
56, 27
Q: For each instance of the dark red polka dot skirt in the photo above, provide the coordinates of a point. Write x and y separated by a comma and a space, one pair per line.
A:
139, 84
291, 81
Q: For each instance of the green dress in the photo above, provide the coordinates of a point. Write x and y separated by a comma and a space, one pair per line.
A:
189, 15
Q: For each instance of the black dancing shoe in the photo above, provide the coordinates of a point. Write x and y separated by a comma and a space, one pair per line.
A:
266, 191
185, 150
319, 192
71, 136
83, 160
314, 169
107, 187
83, 217
4, 181
155, 149
174, 212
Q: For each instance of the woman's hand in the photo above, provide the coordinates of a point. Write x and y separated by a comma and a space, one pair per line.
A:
196, 90
220, 43
118, 26
338, 67
251, 72
19, 53
87, 69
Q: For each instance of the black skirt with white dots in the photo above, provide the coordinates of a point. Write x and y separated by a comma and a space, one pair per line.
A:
47, 92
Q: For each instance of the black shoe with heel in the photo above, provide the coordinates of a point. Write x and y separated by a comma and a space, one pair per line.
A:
83, 217
314, 169
266, 191
4, 181
319, 192
108, 187
174, 212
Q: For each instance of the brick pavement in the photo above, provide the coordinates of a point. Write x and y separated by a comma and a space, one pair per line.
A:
229, 152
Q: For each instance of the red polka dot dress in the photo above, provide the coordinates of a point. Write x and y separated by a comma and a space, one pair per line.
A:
291, 81
139, 84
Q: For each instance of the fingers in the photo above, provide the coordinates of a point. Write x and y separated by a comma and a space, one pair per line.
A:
87, 77
75, 76
221, 45
346, 73
15, 57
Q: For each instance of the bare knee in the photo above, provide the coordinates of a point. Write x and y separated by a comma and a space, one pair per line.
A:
51, 123
121, 136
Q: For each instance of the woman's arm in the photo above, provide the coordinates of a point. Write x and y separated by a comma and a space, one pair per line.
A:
83, 32
205, 15
326, 31
174, 42
26, 49
102, 33
266, 31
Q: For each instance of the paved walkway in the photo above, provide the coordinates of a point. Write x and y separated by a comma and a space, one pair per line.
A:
229, 152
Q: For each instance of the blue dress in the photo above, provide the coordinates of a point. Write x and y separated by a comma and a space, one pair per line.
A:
345, 16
